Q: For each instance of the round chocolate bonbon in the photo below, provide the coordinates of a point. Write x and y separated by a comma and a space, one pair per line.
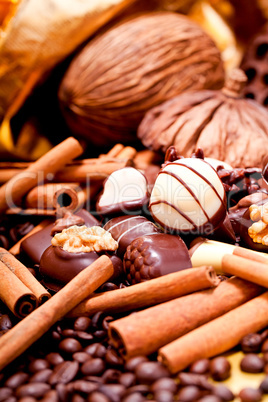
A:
154, 255
124, 229
188, 197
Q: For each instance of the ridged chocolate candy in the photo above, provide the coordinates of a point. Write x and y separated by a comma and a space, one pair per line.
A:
154, 255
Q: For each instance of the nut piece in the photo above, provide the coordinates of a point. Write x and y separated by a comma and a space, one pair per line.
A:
81, 239
258, 231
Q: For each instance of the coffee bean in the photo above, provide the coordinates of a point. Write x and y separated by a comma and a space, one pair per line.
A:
199, 380
220, 368
200, 366
77, 398
64, 372
189, 393
131, 364
95, 379
62, 392
108, 286
54, 358
141, 388
252, 363
81, 357
35, 389
85, 387
106, 321
68, 333
250, 395
50, 396
16, 380
96, 350
100, 334
112, 358
55, 336
5, 322
210, 398
26, 399
84, 336
224, 393
148, 372
251, 343
41, 376
163, 395
113, 391
111, 376
37, 365
135, 397
166, 383
127, 379
70, 345
264, 385
5, 393
96, 320
82, 323
265, 357
95, 366
97, 397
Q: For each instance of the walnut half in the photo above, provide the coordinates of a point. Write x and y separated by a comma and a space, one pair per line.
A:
81, 239
258, 231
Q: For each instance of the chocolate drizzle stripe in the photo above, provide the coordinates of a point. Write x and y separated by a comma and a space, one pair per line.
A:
129, 230
202, 177
121, 222
176, 209
188, 189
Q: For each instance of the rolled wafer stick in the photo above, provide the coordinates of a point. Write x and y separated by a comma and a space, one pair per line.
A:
113, 152
17, 297
216, 336
211, 252
148, 293
31, 212
54, 160
24, 275
26, 332
16, 248
146, 331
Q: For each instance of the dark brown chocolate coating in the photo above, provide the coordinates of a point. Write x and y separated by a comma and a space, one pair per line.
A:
61, 266
245, 223
154, 255
125, 229
34, 245
58, 266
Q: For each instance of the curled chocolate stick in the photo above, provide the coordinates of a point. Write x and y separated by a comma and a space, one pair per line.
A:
27, 331
17, 297
216, 336
24, 275
148, 293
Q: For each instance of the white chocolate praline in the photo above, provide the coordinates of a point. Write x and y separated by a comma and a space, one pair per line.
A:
215, 163
188, 195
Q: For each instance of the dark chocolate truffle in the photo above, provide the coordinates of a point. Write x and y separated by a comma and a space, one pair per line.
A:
154, 255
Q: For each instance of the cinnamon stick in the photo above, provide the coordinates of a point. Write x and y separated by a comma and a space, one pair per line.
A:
148, 293
26, 332
54, 160
16, 296
216, 336
85, 172
127, 153
24, 275
250, 270
146, 331
42, 197
16, 248
113, 151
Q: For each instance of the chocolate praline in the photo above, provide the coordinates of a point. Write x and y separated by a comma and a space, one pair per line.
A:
58, 266
154, 255
124, 229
